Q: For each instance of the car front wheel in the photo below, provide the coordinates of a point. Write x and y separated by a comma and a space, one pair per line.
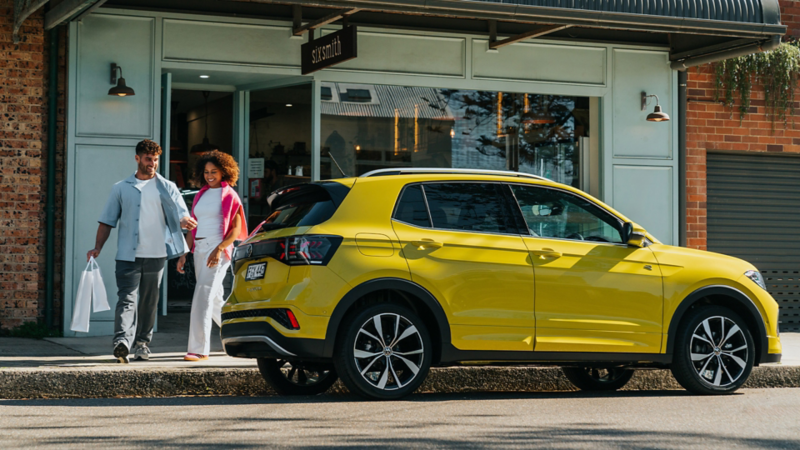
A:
714, 351
383, 352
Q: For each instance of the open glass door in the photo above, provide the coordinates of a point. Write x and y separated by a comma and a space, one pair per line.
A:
166, 115
279, 152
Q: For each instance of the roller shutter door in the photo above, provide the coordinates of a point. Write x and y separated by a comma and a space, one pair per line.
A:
754, 214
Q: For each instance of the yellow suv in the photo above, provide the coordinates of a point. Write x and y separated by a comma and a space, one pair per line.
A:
375, 279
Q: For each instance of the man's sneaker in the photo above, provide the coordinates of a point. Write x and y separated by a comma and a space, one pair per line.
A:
121, 352
141, 352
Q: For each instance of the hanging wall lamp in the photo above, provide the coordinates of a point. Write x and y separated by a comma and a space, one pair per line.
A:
657, 115
205, 146
121, 89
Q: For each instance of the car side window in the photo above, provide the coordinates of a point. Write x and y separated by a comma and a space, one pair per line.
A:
556, 214
411, 207
470, 207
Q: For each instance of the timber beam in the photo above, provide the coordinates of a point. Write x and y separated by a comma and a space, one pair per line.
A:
298, 29
494, 44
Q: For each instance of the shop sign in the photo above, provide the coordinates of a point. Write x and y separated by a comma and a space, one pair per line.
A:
328, 50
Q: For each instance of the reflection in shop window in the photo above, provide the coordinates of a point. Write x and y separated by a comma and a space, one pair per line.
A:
368, 127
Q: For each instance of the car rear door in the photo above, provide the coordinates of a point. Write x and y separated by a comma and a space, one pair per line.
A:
593, 292
462, 243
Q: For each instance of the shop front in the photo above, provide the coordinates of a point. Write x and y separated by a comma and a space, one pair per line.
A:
569, 106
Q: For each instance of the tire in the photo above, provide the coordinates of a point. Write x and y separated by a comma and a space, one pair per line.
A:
380, 370
297, 377
598, 379
719, 365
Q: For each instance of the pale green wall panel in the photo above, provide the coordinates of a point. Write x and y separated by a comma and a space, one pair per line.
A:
96, 169
186, 40
636, 71
645, 195
540, 62
129, 42
405, 53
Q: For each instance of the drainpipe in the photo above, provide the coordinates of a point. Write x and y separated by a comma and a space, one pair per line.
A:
52, 115
682, 77
765, 46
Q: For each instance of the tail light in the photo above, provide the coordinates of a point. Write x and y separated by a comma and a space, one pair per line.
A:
292, 250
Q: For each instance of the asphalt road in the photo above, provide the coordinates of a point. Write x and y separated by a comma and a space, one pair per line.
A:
768, 418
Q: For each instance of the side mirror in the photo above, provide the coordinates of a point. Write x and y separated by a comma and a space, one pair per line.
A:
633, 234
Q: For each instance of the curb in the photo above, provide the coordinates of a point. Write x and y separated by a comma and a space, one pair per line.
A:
82, 383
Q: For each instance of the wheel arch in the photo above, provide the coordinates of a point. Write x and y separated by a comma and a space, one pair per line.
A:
419, 299
728, 297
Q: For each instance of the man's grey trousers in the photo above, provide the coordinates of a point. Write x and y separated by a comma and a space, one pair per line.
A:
138, 286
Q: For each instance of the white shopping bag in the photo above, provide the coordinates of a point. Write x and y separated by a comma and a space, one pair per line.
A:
91, 296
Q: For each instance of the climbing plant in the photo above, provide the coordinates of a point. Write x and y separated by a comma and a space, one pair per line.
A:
776, 70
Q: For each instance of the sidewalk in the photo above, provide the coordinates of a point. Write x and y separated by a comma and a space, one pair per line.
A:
84, 367
168, 347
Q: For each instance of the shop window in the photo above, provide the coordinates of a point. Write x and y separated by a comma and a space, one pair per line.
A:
380, 126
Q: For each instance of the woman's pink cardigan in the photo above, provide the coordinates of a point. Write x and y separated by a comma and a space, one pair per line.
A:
231, 206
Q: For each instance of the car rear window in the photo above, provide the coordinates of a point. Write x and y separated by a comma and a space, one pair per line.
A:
411, 207
470, 207
304, 205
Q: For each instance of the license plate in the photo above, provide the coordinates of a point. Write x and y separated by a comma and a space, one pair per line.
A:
255, 271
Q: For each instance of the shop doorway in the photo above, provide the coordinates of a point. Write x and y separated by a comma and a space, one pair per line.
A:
199, 121
279, 145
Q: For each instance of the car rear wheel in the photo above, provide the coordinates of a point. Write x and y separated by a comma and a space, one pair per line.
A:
598, 378
297, 377
383, 352
714, 351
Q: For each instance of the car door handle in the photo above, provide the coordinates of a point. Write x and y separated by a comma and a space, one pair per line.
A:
546, 253
424, 244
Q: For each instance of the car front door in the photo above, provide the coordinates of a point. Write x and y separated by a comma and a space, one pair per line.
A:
462, 243
594, 293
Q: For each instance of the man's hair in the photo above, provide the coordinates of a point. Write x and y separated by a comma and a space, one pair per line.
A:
148, 147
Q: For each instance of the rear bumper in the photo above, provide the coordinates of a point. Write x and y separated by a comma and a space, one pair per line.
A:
261, 340
771, 358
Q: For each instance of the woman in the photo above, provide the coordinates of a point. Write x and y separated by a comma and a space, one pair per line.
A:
220, 221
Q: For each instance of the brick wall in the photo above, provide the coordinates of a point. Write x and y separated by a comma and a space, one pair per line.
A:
23, 169
710, 126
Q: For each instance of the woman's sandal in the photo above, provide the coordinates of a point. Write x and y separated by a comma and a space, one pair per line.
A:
194, 357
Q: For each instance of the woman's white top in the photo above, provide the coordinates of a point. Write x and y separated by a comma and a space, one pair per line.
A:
208, 212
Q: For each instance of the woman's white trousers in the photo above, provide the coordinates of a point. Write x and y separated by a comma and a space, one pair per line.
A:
208, 295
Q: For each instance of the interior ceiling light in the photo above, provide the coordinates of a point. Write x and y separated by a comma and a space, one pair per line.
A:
288, 105
657, 115
121, 89
205, 146
203, 76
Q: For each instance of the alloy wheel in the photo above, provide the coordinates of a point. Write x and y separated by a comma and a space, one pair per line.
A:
719, 351
388, 351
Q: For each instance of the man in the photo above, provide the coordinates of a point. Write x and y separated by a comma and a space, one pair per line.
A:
151, 213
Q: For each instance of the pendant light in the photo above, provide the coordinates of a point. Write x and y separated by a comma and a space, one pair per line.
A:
205, 146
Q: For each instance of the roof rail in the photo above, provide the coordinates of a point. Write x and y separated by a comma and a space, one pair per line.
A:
418, 170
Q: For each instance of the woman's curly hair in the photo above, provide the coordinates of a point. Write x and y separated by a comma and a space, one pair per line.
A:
224, 162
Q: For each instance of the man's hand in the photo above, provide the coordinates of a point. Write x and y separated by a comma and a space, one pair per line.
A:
92, 253
188, 223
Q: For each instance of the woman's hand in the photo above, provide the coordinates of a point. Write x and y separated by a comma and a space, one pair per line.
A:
213, 258
181, 263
